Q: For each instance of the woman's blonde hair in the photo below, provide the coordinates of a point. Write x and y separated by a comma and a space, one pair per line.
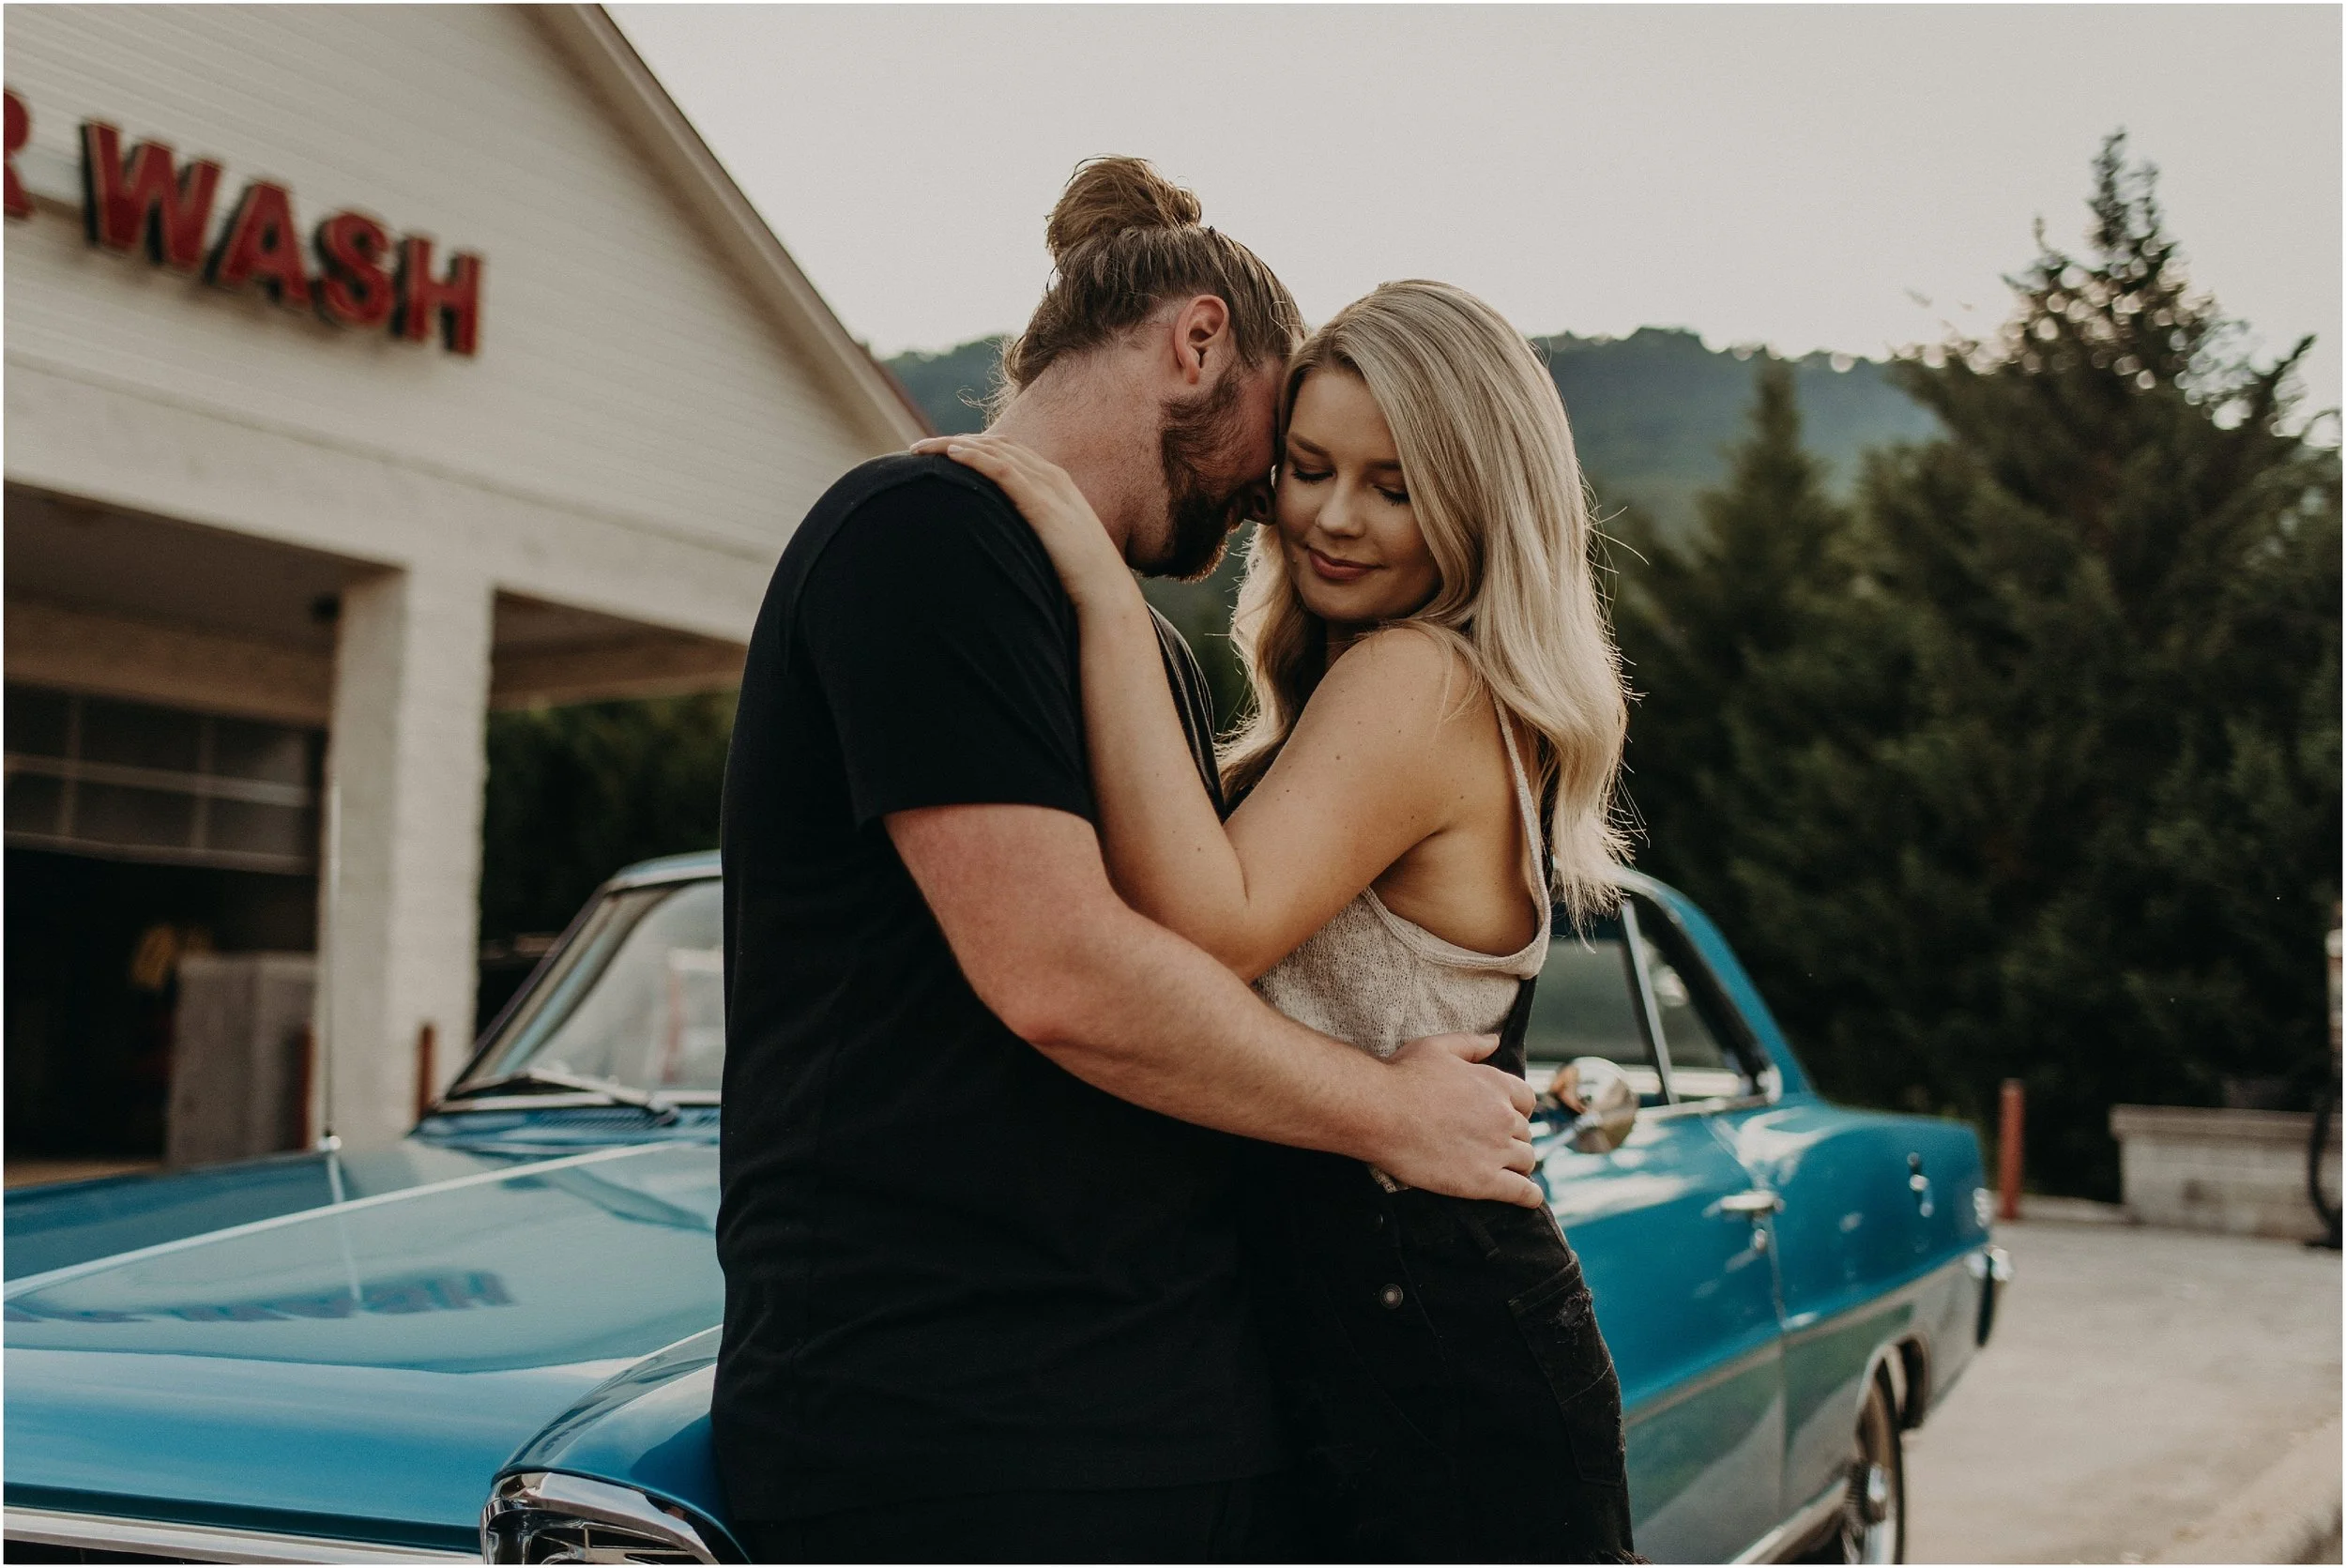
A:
1496, 489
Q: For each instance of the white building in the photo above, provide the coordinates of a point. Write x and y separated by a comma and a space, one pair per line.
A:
291, 502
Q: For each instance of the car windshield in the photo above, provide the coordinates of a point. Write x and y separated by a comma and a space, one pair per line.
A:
636, 997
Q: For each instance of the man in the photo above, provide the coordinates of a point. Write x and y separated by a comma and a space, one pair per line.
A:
978, 1215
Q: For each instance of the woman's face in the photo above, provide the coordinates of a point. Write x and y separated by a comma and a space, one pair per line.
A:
1352, 544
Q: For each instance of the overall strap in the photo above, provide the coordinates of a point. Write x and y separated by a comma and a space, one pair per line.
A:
1509, 1057
1194, 704
1527, 813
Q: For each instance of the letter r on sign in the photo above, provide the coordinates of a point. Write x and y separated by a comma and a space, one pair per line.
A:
20, 131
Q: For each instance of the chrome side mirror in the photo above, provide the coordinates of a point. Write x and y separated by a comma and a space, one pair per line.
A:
1605, 1100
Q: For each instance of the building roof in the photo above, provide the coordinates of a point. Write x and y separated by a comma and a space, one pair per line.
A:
586, 36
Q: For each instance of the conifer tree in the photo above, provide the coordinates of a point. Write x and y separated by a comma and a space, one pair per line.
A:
576, 792
1705, 627
2120, 580
2030, 767
1767, 671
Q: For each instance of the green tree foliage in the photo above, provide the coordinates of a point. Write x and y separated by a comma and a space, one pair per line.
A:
2028, 765
574, 793
951, 384
1650, 412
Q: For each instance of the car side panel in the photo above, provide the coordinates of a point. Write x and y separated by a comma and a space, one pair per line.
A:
1687, 1302
1878, 1217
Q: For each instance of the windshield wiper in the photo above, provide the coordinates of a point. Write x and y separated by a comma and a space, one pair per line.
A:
663, 1110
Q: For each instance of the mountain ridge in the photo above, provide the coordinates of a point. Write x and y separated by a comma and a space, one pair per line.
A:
1652, 413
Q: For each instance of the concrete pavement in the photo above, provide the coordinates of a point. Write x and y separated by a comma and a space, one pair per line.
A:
2149, 1395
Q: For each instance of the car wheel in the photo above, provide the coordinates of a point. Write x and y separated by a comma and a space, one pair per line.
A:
1872, 1526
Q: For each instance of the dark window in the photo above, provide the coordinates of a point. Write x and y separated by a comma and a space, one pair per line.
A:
135, 782
34, 802
269, 753
36, 720
1707, 1058
138, 734
129, 818
254, 828
1586, 1005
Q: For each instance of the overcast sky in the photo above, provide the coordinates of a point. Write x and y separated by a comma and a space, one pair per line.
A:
1847, 177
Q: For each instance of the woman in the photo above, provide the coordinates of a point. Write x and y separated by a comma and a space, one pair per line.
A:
1429, 658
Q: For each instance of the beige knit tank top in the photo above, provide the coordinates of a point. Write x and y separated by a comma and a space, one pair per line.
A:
1372, 978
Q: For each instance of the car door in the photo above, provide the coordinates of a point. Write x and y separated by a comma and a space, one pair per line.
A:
1676, 1256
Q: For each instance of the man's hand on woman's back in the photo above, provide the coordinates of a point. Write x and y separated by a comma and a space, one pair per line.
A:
1468, 1130
1025, 903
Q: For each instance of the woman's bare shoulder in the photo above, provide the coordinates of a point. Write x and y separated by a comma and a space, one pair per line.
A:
1415, 674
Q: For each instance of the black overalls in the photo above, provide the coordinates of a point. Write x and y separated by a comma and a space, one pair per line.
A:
1451, 1396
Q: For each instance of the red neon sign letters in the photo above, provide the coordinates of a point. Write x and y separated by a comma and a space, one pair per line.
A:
20, 131
147, 199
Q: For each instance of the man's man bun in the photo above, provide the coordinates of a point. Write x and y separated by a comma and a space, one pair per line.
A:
1123, 240
1108, 196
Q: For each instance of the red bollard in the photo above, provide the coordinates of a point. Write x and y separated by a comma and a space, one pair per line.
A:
2008, 1152
427, 1070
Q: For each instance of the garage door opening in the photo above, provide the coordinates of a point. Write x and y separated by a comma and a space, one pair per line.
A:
141, 840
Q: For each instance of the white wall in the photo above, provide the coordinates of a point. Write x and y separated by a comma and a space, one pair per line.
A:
639, 433
626, 379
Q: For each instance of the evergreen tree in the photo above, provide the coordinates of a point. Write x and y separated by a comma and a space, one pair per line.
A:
2030, 767
2122, 573
1768, 669
576, 792
1713, 632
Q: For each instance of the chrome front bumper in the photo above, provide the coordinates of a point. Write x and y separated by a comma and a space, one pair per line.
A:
1992, 1267
167, 1542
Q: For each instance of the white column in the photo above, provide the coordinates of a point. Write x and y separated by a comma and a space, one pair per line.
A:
398, 912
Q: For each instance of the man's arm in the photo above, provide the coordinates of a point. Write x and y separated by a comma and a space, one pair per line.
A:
1024, 900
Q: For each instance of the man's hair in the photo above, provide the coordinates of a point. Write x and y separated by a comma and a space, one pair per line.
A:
1123, 240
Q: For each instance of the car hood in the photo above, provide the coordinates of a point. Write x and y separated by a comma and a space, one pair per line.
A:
362, 1369
74, 1222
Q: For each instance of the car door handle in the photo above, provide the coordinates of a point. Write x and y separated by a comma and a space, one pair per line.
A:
1754, 1203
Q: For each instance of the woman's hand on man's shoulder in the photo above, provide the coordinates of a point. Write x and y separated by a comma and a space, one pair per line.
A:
1089, 565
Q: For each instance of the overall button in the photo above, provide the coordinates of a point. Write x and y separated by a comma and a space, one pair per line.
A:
1377, 1221
1389, 1297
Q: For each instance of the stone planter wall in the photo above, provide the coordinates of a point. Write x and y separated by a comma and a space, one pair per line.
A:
2240, 1172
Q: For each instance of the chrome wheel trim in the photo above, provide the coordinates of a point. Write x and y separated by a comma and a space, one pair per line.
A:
1873, 1503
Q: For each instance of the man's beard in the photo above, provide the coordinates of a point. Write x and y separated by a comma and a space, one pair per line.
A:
1199, 519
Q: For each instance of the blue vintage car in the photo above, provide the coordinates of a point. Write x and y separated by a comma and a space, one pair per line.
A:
496, 1338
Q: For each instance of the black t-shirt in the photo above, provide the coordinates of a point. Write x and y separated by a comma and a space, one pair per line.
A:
950, 1266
